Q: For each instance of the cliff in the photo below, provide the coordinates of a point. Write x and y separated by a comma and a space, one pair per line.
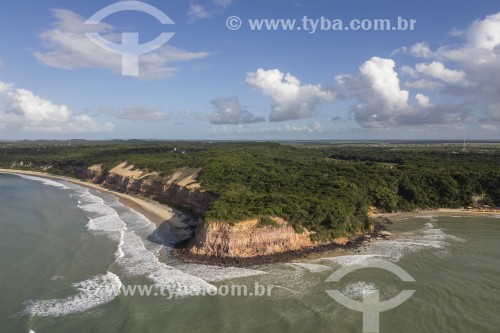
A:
247, 243
246, 239
179, 189
212, 239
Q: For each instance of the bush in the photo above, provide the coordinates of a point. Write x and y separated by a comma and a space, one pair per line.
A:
267, 222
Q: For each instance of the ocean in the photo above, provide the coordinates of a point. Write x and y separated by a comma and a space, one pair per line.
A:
70, 258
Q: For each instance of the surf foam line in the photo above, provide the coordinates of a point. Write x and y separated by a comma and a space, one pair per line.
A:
89, 296
140, 243
44, 181
393, 250
132, 256
291, 279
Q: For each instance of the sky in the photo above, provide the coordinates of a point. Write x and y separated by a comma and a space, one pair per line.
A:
325, 74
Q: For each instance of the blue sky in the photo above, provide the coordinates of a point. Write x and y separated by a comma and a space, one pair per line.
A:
438, 81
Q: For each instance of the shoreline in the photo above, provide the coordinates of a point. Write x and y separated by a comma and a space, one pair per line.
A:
155, 212
159, 213
435, 212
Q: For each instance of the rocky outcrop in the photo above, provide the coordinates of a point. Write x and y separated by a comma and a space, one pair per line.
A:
246, 238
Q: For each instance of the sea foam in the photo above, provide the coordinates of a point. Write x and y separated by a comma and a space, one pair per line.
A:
217, 273
44, 181
89, 295
428, 237
137, 260
137, 245
359, 289
347, 260
314, 268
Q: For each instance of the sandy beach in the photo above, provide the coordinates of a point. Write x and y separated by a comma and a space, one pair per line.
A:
155, 212
436, 212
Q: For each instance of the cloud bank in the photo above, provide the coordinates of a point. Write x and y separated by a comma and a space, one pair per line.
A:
229, 112
291, 98
22, 109
66, 47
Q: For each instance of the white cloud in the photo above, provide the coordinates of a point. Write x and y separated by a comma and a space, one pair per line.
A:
67, 47
197, 11
377, 87
423, 100
383, 81
480, 45
228, 111
291, 99
21, 109
423, 84
460, 79
314, 127
476, 56
382, 103
407, 70
308, 128
484, 34
421, 50
437, 70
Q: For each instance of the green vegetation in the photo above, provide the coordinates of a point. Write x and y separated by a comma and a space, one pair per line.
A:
325, 188
266, 221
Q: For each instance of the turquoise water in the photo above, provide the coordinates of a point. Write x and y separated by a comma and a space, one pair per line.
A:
64, 250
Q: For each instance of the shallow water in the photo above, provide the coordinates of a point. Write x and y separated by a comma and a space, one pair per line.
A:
64, 251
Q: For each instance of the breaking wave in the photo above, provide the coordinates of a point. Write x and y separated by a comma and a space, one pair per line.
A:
88, 297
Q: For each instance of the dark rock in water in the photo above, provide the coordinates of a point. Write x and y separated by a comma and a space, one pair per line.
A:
156, 238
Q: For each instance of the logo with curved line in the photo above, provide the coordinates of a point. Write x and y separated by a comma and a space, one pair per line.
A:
371, 306
130, 49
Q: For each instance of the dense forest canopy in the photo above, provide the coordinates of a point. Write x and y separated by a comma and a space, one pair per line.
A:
326, 188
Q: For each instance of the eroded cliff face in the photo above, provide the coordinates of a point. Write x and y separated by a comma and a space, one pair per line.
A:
212, 239
246, 239
123, 179
217, 239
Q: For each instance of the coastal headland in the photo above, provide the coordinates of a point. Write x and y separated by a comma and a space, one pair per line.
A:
249, 202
